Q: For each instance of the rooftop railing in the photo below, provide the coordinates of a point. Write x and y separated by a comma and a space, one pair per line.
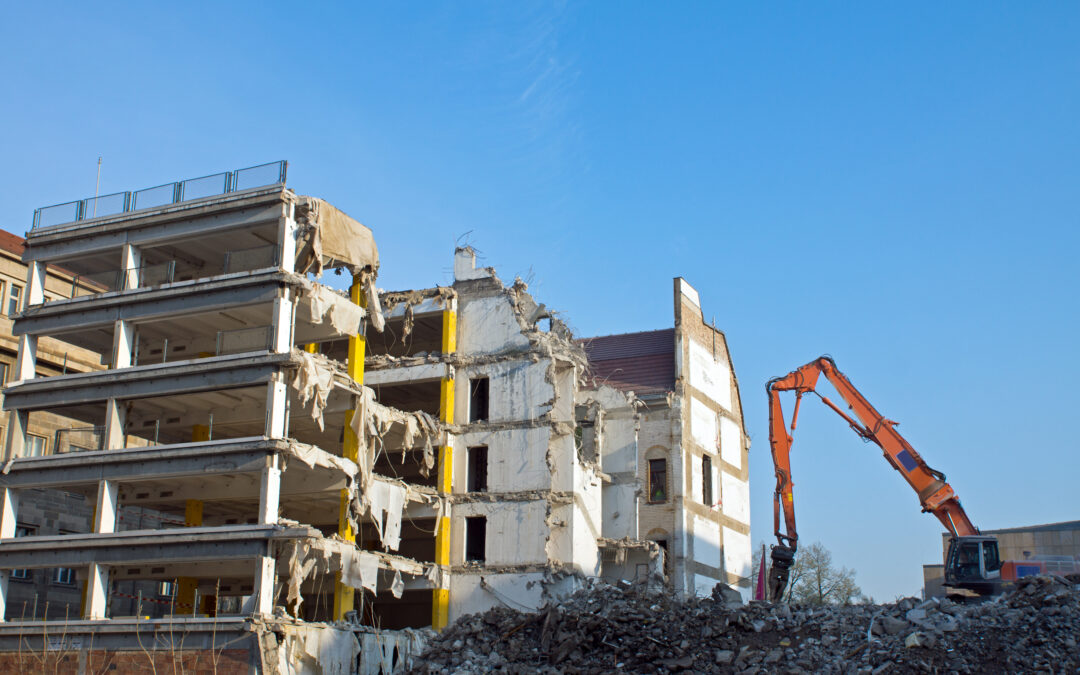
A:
247, 178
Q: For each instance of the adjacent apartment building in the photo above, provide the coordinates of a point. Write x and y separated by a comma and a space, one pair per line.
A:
320, 473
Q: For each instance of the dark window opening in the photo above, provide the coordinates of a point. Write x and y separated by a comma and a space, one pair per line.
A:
478, 399
706, 480
22, 531
478, 468
657, 480
476, 539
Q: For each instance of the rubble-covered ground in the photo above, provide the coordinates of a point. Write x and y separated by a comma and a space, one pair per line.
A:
604, 629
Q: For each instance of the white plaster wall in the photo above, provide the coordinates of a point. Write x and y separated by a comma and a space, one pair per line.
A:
516, 532
706, 542
735, 495
576, 526
488, 325
731, 445
703, 427
587, 524
563, 460
620, 511
519, 591
736, 553
517, 459
695, 479
619, 446
517, 390
710, 376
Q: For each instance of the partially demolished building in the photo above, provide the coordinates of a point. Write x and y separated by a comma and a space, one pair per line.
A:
335, 470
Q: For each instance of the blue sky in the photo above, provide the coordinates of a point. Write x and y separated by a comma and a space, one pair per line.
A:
895, 185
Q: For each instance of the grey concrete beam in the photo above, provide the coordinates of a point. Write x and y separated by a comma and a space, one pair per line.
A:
141, 304
160, 379
152, 226
130, 634
136, 547
87, 468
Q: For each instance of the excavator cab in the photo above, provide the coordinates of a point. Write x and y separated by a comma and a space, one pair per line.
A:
973, 564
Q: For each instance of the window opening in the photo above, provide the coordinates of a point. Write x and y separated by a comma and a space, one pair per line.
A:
36, 445
478, 469
476, 539
14, 299
706, 480
478, 399
22, 531
657, 480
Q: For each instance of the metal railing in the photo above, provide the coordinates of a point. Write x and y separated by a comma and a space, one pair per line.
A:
261, 175
248, 259
241, 340
103, 282
79, 439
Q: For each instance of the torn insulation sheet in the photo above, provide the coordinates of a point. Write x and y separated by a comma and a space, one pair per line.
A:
344, 316
330, 238
374, 308
313, 381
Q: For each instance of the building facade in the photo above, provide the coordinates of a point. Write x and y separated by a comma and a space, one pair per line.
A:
301, 477
687, 485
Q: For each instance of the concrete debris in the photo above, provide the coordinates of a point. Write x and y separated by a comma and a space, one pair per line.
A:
604, 629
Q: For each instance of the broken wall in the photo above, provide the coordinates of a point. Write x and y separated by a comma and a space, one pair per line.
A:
715, 538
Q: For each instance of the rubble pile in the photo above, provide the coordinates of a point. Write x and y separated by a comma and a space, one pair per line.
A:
603, 629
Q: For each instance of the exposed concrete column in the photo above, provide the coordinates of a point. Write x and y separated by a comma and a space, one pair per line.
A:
9, 513
97, 592
105, 510
35, 284
18, 424
123, 344
277, 408
344, 596
287, 232
440, 601
281, 323
265, 576
115, 424
130, 262
270, 492
26, 364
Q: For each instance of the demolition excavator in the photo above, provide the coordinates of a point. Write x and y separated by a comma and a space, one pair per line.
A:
972, 565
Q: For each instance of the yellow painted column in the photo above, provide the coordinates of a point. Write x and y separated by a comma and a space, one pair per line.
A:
344, 596
193, 517
440, 601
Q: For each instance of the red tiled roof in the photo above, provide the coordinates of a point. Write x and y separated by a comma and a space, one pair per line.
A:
12, 243
640, 362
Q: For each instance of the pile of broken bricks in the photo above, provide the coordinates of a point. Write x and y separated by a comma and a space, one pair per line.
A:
634, 629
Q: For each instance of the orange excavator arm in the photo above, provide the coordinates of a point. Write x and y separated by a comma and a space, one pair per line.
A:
935, 495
